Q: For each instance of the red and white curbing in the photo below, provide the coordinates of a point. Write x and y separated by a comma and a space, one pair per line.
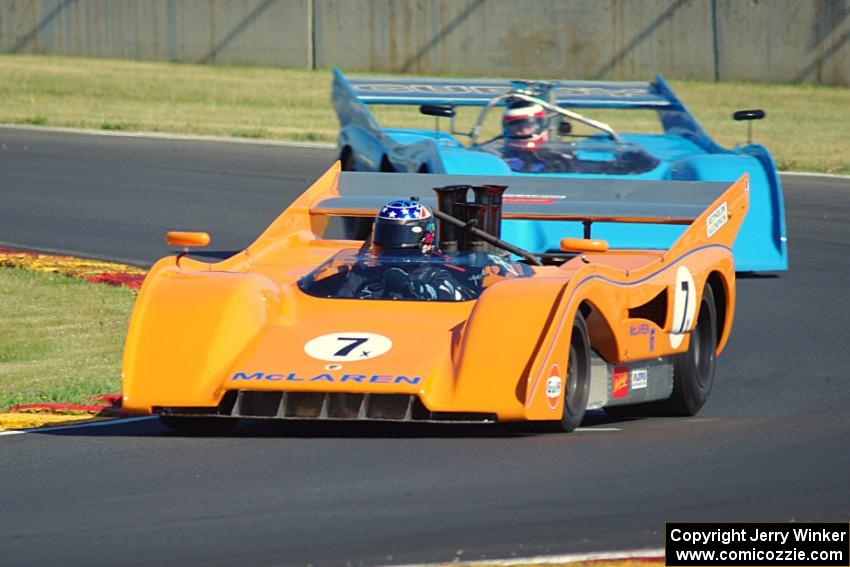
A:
95, 271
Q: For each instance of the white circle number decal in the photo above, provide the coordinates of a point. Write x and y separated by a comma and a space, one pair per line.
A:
684, 305
348, 346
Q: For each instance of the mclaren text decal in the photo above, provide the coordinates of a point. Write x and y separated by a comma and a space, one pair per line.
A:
644, 329
328, 378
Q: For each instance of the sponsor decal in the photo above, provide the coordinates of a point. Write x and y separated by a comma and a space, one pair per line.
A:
296, 377
640, 376
532, 199
553, 387
528, 200
348, 346
438, 88
716, 219
620, 382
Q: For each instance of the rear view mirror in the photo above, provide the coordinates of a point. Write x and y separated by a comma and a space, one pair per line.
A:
438, 110
583, 245
186, 239
754, 114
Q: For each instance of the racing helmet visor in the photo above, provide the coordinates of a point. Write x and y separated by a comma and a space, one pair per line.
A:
399, 234
524, 127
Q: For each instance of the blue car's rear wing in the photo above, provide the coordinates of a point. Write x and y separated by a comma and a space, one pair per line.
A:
478, 92
351, 96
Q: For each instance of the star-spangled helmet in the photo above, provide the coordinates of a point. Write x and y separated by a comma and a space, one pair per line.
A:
404, 225
524, 126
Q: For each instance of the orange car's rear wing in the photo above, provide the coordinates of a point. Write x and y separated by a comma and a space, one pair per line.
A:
534, 198
354, 196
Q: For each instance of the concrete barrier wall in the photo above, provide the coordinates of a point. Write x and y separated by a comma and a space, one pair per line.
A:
250, 32
757, 40
543, 38
784, 41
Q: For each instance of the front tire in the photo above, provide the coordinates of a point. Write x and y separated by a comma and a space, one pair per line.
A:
577, 386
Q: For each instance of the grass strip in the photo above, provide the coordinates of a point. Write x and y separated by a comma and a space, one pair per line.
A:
807, 127
61, 339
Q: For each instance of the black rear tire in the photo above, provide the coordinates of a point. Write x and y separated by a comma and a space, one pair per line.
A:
347, 160
198, 425
693, 370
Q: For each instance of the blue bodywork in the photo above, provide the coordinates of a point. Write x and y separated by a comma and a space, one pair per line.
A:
683, 152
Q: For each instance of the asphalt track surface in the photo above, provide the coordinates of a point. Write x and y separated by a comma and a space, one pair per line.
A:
772, 443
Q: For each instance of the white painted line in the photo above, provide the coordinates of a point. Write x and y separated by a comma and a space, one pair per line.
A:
591, 429
101, 423
551, 559
813, 174
12, 432
165, 136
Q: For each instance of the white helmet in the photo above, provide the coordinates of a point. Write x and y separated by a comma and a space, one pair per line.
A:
524, 126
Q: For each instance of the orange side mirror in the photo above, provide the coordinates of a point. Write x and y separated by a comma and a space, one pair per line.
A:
583, 245
177, 238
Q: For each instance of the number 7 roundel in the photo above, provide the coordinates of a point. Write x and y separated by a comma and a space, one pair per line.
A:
684, 306
348, 346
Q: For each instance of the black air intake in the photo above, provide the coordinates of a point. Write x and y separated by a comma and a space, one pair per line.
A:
449, 200
484, 213
489, 198
325, 406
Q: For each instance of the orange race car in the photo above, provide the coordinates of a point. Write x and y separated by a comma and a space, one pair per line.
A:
392, 297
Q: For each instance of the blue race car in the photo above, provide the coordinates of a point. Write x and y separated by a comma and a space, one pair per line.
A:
542, 135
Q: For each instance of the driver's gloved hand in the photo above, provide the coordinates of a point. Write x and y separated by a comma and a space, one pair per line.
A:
396, 283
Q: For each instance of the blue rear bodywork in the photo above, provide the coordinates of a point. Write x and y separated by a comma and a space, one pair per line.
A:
683, 152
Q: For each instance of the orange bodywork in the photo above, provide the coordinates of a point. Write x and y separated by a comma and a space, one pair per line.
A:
201, 329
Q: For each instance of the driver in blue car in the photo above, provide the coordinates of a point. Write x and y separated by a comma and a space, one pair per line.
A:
403, 239
525, 132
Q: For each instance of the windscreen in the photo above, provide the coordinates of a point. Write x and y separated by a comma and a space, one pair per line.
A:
398, 276
593, 156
